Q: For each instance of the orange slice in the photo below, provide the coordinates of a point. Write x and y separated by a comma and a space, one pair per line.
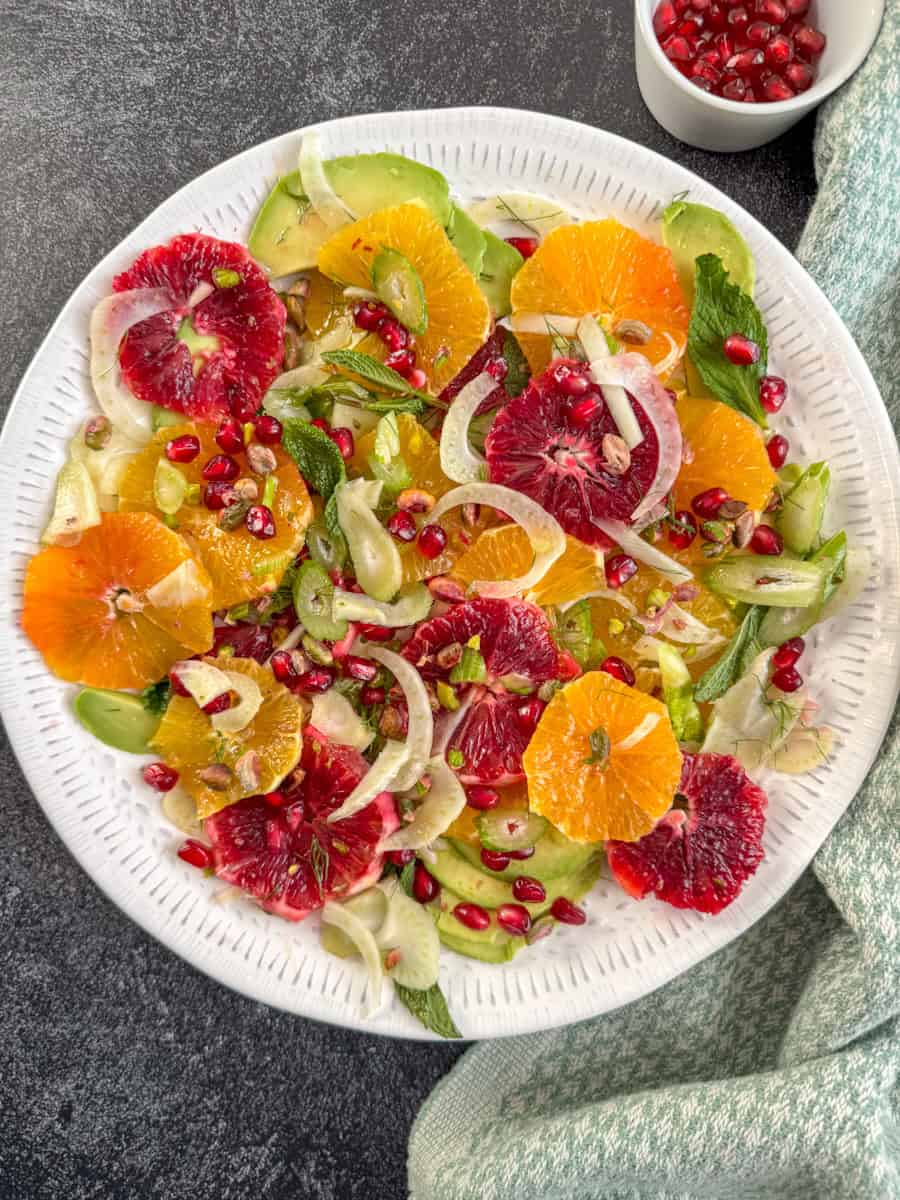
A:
623, 795
187, 741
86, 606
506, 553
326, 306
606, 269
240, 565
459, 318
464, 829
726, 450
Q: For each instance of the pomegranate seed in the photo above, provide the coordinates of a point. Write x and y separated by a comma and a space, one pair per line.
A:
371, 695
282, 665
664, 20
724, 45
160, 776
690, 28
230, 438
712, 57
498, 369
343, 439
738, 18
369, 316
520, 855
707, 504
221, 468
809, 43
177, 686
798, 75
716, 17
788, 652
779, 52
787, 679
766, 540
321, 424
218, 704
514, 919
402, 527
678, 49
526, 246
269, 430
575, 383
746, 63
243, 408
772, 393
195, 854
758, 33
734, 89
740, 350
183, 449
401, 858
401, 361
418, 378
425, 886
276, 799
529, 890
432, 540
473, 916
778, 448
681, 6
682, 538
775, 89
583, 411
567, 912
218, 495
797, 8
495, 860
317, 679
619, 569
393, 334
567, 666
772, 11
701, 6
619, 669
529, 713
705, 70
260, 522
481, 797
375, 633
364, 669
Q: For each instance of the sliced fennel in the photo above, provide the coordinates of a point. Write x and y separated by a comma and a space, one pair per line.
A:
110, 321
632, 543
181, 811
350, 924
596, 348
413, 604
182, 586
678, 625
459, 461
376, 559
369, 906
420, 731
753, 719
543, 531
537, 214
804, 749
408, 939
379, 778
321, 195
442, 805
678, 694
335, 717
75, 506
239, 716
204, 681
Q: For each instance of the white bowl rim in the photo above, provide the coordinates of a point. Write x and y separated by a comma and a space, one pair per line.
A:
803, 102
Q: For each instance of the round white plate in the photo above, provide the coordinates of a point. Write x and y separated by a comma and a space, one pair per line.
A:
112, 823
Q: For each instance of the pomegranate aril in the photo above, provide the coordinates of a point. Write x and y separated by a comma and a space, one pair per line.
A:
740, 350
619, 569
364, 669
746, 63
229, 437
529, 713
567, 912
432, 540
797, 8
282, 665
772, 393
418, 378
218, 704
343, 439
269, 430
775, 90
183, 449
734, 89
705, 70
375, 633
584, 410
317, 679
276, 799
514, 919
664, 19
690, 28
394, 336
221, 468
758, 33
724, 44
495, 860
371, 695
177, 686
809, 43
473, 916
778, 448
321, 423
425, 887
575, 383
498, 369
481, 797
526, 246
401, 361
160, 776
681, 538
788, 653
678, 49
243, 408
707, 504
799, 75
787, 679
369, 316
618, 669
528, 890
681, 6
766, 540
195, 854
402, 526
260, 522
400, 858
773, 11
716, 17
738, 18
779, 52
521, 855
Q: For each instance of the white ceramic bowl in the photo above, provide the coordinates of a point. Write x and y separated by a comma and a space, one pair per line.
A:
708, 121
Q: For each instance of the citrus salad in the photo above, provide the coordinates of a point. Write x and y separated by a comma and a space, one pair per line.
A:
452, 568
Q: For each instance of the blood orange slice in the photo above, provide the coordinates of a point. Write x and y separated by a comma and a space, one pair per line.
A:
287, 856
222, 342
698, 857
518, 652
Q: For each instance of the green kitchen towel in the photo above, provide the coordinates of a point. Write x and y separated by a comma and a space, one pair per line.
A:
772, 1069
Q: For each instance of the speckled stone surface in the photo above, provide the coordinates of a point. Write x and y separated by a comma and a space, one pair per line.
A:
124, 1072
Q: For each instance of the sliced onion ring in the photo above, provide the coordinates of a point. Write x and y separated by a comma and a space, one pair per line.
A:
110, 321
420, 732
362, 938
324, 199
379, 778
459, 461
442, 805
543, 531
632, 543
448, 723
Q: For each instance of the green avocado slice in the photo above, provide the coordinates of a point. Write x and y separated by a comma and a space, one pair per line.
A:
468, 239
117, 718
478, 886
554, 855
499, 266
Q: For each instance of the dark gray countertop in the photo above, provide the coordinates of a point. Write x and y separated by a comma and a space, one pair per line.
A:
123, 1071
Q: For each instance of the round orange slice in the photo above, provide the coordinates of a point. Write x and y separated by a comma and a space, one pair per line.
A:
506, 553
603, 762
724, 449
240, 565
187, 741
121, 606
610, 271
459, 318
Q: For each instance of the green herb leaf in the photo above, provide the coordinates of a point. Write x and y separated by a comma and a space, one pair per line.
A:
317, 457
156, 697
387, 439
722, 308
406, 877
734, 659
518, 371
430, 1008
330, 516
366, 367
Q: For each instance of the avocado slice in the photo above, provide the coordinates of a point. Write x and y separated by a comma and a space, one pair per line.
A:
493, 945
690, 230
499, 266
479, 886
117, 718
468, 238
287, 234
554, 855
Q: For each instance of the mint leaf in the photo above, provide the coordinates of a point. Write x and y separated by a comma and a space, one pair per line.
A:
430, 1008
332, 524
735, 658
721, 308
518, 372
155, 698
410, 403
381, 377
406, 877
317, 457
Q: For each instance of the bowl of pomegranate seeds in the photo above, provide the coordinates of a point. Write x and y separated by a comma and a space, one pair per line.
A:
733, 74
